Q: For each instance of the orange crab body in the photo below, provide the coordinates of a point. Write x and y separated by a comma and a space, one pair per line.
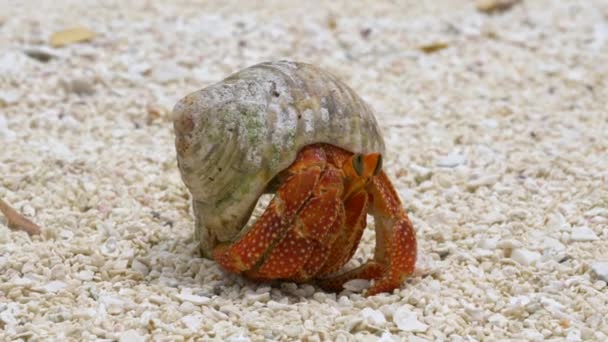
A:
313, 225
233, 145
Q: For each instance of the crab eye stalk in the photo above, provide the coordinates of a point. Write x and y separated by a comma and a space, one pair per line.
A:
378, 168
358, 164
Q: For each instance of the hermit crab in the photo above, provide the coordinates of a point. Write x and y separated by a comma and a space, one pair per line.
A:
298, 132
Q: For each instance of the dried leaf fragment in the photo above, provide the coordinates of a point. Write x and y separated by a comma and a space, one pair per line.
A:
332, 22
16, 221
71, 36
433, 47
489, 6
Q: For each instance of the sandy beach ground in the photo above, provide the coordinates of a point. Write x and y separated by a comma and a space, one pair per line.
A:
496, 128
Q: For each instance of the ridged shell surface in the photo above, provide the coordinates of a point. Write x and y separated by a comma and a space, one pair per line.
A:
235, 136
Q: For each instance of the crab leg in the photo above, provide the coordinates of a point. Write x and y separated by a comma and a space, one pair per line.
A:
395, 253
346, 244
395, 236
248, 250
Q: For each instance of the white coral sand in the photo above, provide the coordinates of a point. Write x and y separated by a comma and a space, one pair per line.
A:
497, 135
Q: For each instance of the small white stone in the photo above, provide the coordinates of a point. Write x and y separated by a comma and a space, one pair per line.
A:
187, 308
493, 217
532, 335
239, 338
551, 244
484, 180
386, 337
600, 269
407, 320
9, 97
557, 222
254, 297
356, 285
25, 282
574, 335
140, 267
553, 248
519, 301
8, 318
421, 173
193, 322
198, 300
53, 286
131, 336
489, 243
274, 305
414, 338
58, 271
66, 235
583, 234
85, 275
110, 247
451, 160
597, 212
509, 244
80, 86
373, 317
113, 304
168, 72
524, 256
5, 132
498, 320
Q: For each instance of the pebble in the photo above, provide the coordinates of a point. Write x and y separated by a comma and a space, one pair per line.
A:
407, 320
80, 86
600, 268
498, 320
485, 180
414, 338
42, 53
509, 244
582, 234
110, 247
597, 212
532, 335
421, 173
168, 72
58, 271
386, 337
489, 243
373, 317
193, 321
25, 282
356, 285
53, 286
524, 256
131, 336
451, 160
85, 275
198, 300
9, 97
187, 307
557, 222
574, 335
140, 267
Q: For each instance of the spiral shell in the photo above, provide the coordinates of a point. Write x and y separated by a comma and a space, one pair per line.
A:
235, 136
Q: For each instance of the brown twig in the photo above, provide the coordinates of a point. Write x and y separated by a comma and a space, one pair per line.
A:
17, 221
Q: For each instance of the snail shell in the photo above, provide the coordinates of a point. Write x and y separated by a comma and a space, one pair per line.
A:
235, 136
